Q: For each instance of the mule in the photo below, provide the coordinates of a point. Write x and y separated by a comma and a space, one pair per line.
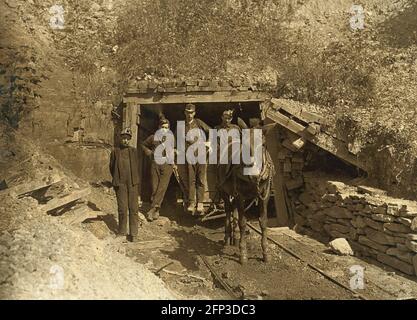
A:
239, 192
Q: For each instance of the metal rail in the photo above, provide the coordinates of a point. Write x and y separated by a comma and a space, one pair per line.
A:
295, 255
219, 279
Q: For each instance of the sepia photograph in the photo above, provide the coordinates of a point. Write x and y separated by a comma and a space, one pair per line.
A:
214, 155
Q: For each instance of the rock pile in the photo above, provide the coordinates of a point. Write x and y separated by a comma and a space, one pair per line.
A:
374, 224
45, 250
42, 257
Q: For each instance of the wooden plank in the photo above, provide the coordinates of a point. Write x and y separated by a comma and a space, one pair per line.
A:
286, 122
281, 210
84, 215
78, 215
33, 186
197, 97
59, 202
296, 109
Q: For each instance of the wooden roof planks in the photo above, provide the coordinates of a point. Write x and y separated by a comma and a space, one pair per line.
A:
306, 124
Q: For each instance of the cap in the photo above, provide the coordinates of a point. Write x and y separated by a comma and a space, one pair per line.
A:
190, 107
228, 113
126, 132
163, 121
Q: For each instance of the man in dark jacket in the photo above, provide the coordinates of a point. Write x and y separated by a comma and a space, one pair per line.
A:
161, 173
124, 166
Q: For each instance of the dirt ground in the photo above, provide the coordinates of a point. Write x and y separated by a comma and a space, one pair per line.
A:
178, 242
169, 261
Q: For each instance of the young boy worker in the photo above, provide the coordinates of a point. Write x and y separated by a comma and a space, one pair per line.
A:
161, 173
124, 170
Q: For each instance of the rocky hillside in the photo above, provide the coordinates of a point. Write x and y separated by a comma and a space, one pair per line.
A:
49, 256
62, 77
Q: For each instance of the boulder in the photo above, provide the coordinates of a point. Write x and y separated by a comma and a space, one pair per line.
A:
412, 245
330, 197
380, 237
306, 198
372, 244
397, 227
374, 224
379, 210
339, 213
338, 228
411, 236
393, 210
382, 217
341, 247
405, 221
413, 224
360, 222
405, 256
396, 263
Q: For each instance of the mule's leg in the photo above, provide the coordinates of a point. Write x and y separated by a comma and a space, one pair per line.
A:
242, 227
235, 222
227, 222
263, 223
227, 229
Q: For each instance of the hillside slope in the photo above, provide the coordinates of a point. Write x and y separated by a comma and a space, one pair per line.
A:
364, 79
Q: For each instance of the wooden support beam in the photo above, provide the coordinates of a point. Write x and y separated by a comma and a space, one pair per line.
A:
59, 202
281, 210
196, 97
130, 120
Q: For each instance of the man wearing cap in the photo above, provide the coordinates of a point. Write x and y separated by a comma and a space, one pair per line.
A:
161, 173
226, 123
124, 166
196, 172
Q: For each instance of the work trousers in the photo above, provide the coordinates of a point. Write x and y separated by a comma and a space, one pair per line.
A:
161, 174
196, 182
127, 199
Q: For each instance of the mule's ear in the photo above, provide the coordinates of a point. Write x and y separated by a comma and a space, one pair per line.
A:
241, 123
266, 129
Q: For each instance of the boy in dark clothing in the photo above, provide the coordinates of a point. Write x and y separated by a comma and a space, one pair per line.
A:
124, 166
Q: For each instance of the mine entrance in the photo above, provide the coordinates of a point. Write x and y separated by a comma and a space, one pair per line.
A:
210, 113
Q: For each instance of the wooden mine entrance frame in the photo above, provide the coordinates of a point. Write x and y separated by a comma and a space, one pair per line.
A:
280, 111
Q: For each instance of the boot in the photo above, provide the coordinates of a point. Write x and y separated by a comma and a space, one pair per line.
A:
149, 214
200, 208
191, 208
121, 232
156, 214
134, 239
